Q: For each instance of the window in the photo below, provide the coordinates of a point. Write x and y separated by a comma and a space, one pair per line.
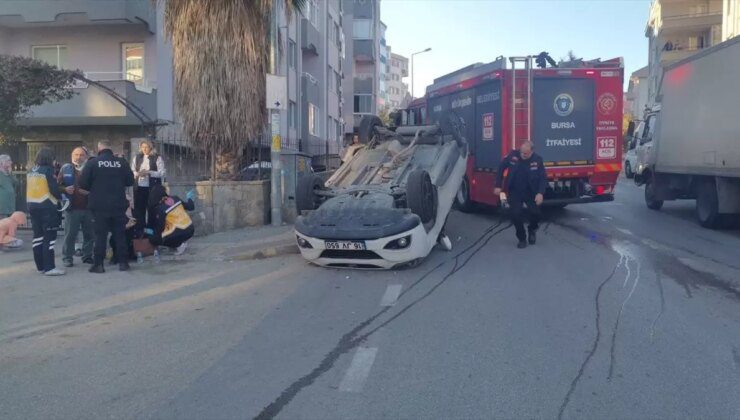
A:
312, 12
291, 114
338, 82
329, 130
56, 55
330, 81
362, 29
133, 62
292, 58
363, 104
313, 120
339, 129
337, 32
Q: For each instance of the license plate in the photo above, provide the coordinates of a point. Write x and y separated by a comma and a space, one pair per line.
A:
345, 245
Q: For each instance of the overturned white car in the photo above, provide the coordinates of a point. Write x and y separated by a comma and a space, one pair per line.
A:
387, 205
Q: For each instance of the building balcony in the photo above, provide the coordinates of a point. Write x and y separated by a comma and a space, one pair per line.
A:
310, 37
668, 57
40, 13
690, 23
364, 50
93, 105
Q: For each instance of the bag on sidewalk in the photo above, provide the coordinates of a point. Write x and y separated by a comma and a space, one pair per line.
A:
144, 246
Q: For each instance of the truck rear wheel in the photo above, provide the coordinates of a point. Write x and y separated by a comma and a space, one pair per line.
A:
306, 197
650, 200
420, 195
707, 206
462, 199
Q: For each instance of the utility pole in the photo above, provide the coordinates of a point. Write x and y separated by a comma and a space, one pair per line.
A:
413, 68
276, 198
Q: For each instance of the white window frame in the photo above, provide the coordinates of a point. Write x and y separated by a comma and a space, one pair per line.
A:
292, 114
312, 9
313, 120
57, 46
124, 72
359, 106
367, 22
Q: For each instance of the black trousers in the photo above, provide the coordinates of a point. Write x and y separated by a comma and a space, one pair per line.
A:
141, 207
516, 209
174, 239
45, 224
115, 224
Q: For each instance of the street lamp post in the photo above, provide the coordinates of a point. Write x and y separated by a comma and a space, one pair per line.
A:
412, 69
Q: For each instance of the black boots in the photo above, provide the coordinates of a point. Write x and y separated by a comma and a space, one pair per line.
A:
97, 268
532, 237
522, 244
123, 266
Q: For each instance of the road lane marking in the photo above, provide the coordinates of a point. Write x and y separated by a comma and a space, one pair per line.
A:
626, 231
358, 370
391, 295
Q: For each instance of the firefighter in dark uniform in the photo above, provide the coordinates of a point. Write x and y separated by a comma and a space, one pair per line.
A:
525, 184
106, 178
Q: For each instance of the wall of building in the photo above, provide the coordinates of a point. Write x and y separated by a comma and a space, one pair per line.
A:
730, 19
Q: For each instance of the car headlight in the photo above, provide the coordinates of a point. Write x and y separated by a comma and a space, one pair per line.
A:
303, 243
400, 243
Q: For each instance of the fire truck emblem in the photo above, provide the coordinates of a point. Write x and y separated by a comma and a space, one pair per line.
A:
607, 103
563, 105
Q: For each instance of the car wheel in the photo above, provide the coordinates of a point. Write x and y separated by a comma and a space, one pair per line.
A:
462, 198
628, 170
650, 200
367, 128
306, 197
421, 196
707, 206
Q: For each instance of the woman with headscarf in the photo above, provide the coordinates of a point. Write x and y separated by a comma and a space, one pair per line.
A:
43, 198
149, 171
8, 184
171, 225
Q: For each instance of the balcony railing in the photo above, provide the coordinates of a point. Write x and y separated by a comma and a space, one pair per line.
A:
141, 84
693, 22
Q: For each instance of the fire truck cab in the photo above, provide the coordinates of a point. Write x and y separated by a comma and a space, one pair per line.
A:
572, 115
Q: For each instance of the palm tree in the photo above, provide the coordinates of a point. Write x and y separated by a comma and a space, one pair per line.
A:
220, 56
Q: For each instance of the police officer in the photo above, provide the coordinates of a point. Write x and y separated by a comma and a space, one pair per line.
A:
525, 183
106, 178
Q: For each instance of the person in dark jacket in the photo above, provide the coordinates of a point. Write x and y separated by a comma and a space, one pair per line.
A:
149, 171
106, 178
43, 198
171, 225
77, 216
525, 183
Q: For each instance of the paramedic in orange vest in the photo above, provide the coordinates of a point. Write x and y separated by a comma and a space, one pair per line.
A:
43, 198
171, 225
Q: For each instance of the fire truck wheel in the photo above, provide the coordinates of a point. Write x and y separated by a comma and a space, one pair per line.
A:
367, 127
306, 197
462, 199
650, 200
421, 196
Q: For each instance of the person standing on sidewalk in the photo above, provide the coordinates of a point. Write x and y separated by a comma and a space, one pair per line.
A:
106, 178
149, 171
8, 185
526, 184
77, 215
43, 198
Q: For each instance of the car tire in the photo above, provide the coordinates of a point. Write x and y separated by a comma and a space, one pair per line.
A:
650, 200
367, 128
628, 170
462, 198
707, 206
305, 194
421, 196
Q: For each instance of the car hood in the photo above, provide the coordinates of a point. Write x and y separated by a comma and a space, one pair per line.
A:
349, 216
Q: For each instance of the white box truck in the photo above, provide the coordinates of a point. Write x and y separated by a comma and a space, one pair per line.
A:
690, 146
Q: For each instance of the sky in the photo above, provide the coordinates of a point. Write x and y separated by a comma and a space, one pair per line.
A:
462, 32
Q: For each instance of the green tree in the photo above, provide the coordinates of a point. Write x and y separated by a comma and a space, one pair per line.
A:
385, 114
24, 83
220, 55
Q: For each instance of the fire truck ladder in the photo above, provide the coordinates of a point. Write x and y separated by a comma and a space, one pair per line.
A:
521, 94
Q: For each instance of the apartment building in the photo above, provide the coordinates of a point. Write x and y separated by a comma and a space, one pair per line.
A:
637, 93
680, 28
364, 60
121, 44
398, 90
117, 43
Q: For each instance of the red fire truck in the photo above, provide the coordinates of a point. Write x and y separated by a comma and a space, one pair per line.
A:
572, 114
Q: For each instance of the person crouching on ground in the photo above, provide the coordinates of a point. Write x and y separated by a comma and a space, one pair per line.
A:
171, 225
526, 184
8, 228
43, 198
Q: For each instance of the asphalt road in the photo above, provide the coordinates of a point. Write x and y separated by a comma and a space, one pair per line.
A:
617, 312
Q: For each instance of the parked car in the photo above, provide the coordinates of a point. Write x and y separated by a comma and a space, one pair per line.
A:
387, 205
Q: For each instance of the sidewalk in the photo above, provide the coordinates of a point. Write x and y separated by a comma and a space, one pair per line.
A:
245, 244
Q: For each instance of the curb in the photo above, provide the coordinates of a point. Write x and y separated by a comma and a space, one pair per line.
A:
263, 253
